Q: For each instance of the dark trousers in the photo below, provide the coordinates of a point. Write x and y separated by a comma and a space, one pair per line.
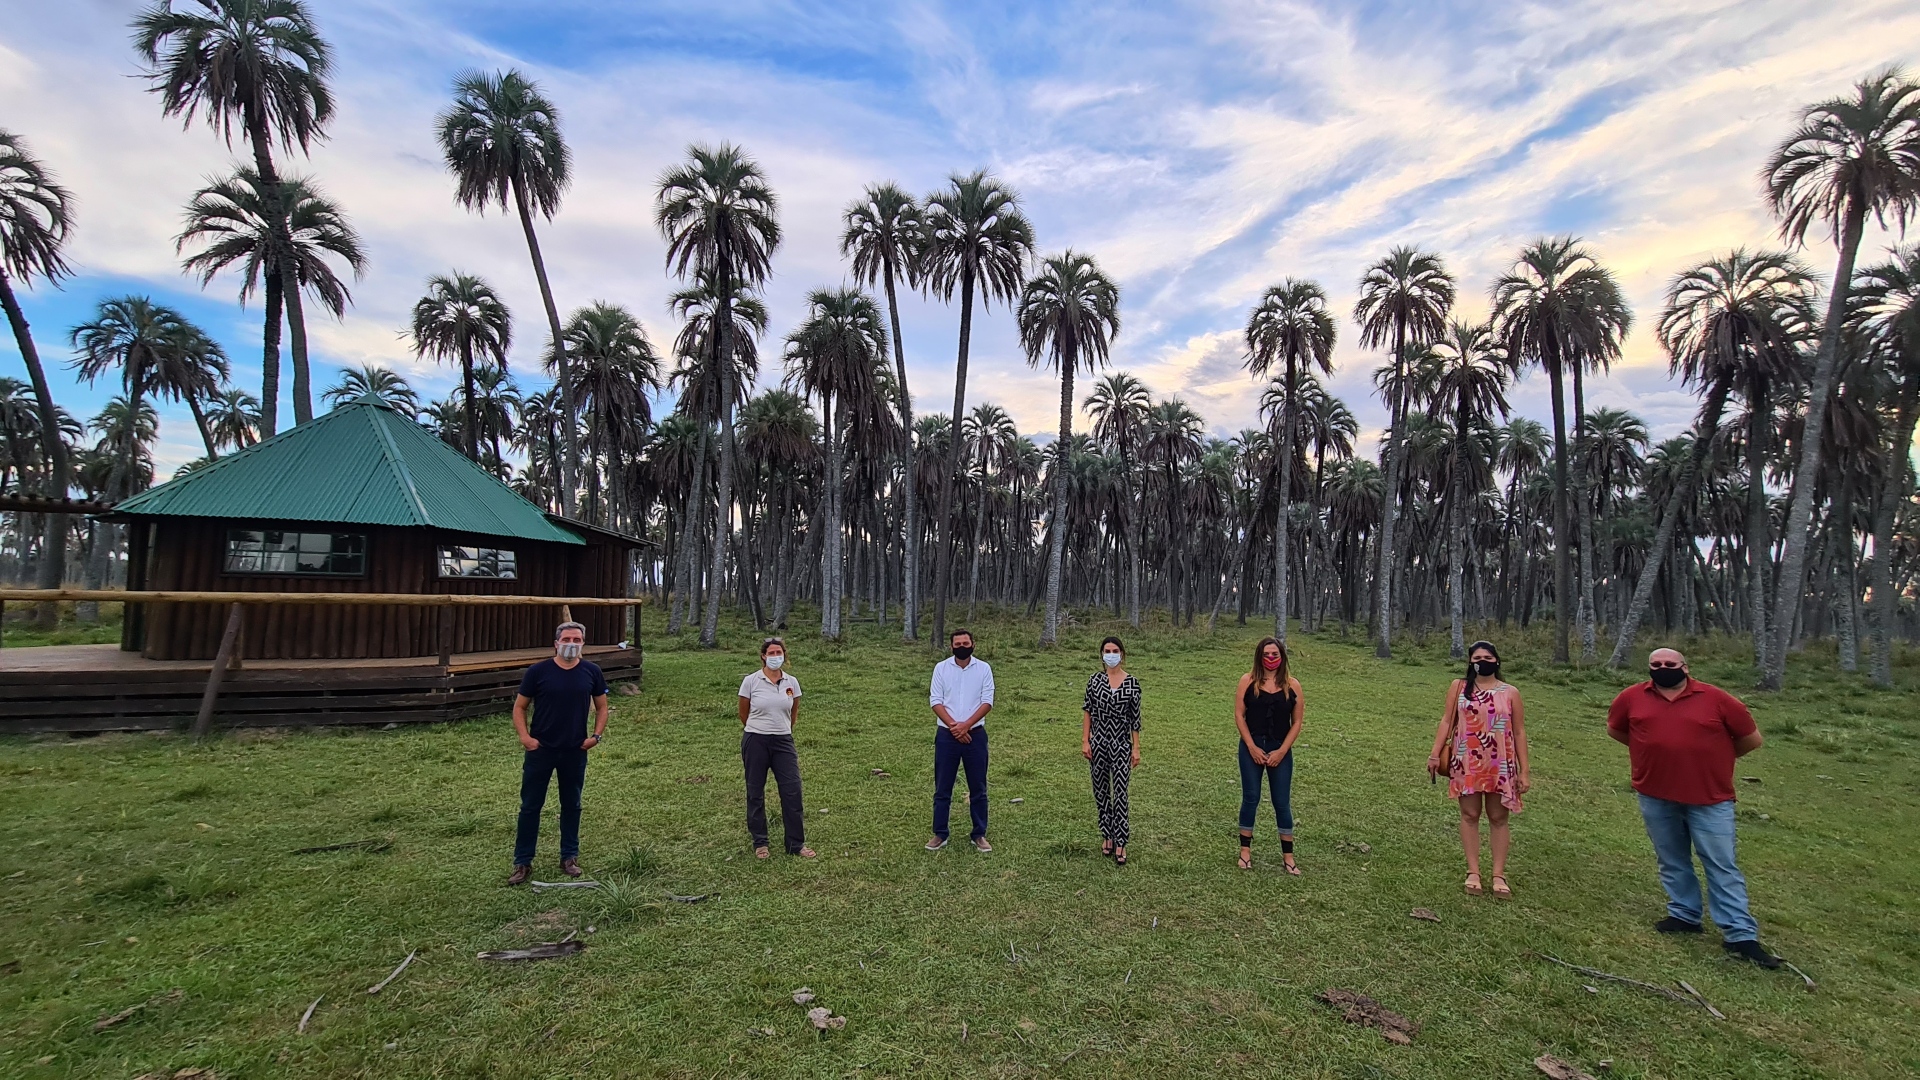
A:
541, 765
761, 753
1278, 777
949, 754
1112, 768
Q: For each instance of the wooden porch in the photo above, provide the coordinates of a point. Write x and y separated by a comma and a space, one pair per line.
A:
102, 688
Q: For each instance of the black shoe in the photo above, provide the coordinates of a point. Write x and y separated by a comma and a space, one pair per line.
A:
1752, 950
1671, 925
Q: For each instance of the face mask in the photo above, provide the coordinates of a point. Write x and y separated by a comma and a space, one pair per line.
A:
963, 652
1271, 663
569, 650
1667, 677
1488, 668
1111, 659
775, 662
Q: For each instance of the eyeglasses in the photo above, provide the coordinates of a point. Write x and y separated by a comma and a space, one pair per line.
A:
1665, 664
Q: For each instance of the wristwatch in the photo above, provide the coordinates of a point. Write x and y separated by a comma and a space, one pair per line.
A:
598, 737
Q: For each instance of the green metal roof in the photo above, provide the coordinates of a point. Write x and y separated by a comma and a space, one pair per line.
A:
361, 464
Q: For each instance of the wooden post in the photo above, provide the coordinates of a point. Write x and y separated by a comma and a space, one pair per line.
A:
443, 636
228, 640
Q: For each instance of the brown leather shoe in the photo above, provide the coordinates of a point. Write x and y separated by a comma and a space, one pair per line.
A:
520, 875
571, 867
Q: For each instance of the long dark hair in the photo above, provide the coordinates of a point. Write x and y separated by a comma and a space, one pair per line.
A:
1474, 648
1260, 669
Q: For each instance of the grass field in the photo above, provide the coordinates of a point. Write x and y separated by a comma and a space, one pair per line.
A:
135, 866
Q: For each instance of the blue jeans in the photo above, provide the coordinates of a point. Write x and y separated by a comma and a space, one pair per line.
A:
949, 754
1279, 779
1679, 831
570, 762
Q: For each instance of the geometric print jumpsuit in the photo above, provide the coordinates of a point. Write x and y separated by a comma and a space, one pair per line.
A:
1115, 717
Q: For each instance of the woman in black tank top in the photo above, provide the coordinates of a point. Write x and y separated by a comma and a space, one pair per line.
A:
1268, 711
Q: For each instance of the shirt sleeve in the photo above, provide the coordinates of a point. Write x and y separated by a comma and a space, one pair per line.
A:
599, 681
1134, 706
530, 682
1735, 715
937, 696
746, 688
796, 686
1617, 712
1086, 701
986, 686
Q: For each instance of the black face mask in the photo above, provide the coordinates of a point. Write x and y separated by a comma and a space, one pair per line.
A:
962, 652
1487, 668
1667, 677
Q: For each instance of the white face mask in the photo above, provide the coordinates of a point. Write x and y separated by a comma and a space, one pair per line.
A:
569, 650
775, 662
1111, 659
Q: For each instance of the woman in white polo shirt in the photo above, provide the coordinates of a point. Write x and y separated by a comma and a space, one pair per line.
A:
769, 704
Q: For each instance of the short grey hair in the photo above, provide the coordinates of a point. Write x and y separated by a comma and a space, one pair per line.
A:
566, 626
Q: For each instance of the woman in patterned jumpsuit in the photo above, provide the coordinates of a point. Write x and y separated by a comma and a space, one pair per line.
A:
1110, 739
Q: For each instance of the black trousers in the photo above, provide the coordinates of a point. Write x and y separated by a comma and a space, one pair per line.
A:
760, 753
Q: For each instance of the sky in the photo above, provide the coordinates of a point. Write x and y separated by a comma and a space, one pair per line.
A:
1199, 151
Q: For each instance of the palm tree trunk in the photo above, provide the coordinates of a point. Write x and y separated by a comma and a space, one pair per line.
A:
1669, 524
1894, 491
834, 524
200, 422
1563, 600
1759, 540
691, 520
943, 554
1389, 499
1136, 529
466, 376
1456, 537
1056, 554
297, 340
1282, 523
570, 461
53, 546
1846, 630
1584, 503
270, 358
1793, 560
910, 573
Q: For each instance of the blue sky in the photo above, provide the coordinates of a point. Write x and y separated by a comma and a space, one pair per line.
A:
1200, 151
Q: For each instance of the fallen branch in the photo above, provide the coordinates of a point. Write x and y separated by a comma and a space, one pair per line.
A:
548, 950
1804, 977
123, 1015
690, 899
1557, 1069
375, 844
308, 1015
1672, 995
382, 984
564, 884
1688, 987
1363, 1010
1423, 914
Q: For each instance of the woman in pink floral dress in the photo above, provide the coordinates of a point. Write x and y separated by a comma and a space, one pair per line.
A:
1482, 747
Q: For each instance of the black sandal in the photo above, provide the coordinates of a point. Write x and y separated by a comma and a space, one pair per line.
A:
1106, 848
1119, 854
1246, 850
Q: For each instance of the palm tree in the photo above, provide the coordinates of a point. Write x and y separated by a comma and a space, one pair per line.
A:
1472, 387
1119, 405
973, 237
1069, 314
1404, 301
36, 218
1173, 438
1290, 326
882, 236
234, 418
717, 212
615, 368
1886, 316
1851, 157
273, 236
1556, 307
501, 139
135, 336
985, 435
384, 383
838, 354
192, 371
460, 316
1731, 325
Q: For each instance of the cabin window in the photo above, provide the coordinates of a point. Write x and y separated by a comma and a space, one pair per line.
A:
271, 551
477, 562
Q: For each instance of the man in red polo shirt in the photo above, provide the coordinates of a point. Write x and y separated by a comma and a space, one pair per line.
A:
1682, 736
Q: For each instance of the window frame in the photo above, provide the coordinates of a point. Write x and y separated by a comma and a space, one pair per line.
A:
227, 553
445, 551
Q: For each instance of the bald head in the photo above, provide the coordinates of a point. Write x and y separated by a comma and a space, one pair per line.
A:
1666, 656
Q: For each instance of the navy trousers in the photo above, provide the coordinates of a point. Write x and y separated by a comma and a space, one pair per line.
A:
949, 755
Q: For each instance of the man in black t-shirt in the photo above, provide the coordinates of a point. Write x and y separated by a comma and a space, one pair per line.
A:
559, 690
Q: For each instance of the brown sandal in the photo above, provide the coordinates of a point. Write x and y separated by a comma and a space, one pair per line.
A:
1501, 890
763, 852
1473, 885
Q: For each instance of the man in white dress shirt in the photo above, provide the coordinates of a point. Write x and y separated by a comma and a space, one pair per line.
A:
961, 698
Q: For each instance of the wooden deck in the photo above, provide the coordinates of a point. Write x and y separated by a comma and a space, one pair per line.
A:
101, 688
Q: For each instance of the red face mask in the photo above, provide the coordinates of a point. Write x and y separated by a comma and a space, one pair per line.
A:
1271, 663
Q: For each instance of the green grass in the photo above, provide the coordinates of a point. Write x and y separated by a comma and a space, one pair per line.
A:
18, 631
134, 865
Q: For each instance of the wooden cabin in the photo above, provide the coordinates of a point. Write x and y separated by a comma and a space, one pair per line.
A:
361, 499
